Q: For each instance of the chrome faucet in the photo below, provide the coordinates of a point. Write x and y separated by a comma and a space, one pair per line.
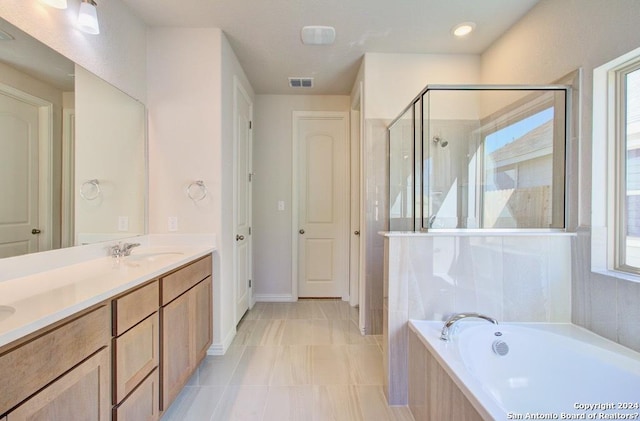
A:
122, 250
451, 321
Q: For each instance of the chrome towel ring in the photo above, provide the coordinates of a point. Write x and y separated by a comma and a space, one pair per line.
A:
197, 191
90, 190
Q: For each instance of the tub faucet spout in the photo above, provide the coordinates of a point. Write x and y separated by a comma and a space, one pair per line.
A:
451, 321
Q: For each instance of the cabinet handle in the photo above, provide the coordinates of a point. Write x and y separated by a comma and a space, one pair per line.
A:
356, 232
239, 237
301, 231
35, 231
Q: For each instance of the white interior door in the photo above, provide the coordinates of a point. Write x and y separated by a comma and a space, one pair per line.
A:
322, 182
354, 262
242, 145
19, 135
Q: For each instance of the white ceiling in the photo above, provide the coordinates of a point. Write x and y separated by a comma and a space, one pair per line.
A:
265, 34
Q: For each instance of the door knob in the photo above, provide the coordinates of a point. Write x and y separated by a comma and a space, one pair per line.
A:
301, 231
356, 232
35, 231
239, 237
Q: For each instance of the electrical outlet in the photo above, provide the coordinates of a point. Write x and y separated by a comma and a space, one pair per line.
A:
280, 205
123, 223
172, 223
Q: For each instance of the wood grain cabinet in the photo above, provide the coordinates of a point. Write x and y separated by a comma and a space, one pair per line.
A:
67, 364
125, 359
136, 354
81, 394
186, 325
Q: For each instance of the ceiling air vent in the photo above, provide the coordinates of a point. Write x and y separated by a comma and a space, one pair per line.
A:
301, 82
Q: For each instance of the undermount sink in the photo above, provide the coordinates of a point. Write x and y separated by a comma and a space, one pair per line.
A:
6, 312
152, 256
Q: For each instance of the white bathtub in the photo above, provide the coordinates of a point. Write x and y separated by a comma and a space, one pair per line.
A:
551, 371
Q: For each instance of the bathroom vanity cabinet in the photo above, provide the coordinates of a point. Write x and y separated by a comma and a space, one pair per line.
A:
61, 372
124, 359
136, 354
186, 325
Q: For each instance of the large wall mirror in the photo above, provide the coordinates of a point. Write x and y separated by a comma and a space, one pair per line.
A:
72, 152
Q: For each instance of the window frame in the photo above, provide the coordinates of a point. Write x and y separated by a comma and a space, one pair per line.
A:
621, 137
608, 221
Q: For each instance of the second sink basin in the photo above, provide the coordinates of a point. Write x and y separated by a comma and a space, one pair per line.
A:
6, 312
153, 256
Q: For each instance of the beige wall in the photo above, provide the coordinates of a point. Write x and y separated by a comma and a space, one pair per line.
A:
272, 164
553, 39
190, 104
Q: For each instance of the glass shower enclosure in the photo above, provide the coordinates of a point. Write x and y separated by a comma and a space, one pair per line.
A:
480, 157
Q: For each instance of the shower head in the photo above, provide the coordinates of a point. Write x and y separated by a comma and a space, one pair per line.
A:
437, 139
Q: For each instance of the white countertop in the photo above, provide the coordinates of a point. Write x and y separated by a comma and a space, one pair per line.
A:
44, 298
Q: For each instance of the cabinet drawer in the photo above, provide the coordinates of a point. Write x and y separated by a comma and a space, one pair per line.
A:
142, 404
136, 355
135, 306
44, 358
78, 395
181, 280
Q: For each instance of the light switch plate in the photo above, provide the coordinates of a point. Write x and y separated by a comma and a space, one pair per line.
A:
280, 205
172, 223
123, 223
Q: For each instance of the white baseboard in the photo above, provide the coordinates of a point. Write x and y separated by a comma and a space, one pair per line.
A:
220, 348
275, 298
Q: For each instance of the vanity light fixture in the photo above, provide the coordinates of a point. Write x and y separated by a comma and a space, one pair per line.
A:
58, 4
318, 35
463, 29
88, 17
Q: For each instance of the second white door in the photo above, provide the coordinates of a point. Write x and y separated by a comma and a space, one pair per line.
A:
322, 181
242, 217
19, 125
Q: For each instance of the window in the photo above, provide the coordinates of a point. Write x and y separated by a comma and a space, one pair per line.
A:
628, 186
615, 239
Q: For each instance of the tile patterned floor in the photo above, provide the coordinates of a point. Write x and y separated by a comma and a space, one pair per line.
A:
292, 361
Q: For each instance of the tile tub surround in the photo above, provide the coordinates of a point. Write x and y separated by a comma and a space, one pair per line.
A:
43, 298
515, 277
292, 361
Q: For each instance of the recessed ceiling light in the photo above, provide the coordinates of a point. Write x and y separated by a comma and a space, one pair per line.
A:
318, 35
463, 29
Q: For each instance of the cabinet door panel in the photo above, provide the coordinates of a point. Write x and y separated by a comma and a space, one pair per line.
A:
136, 355
33, 364
176, 345
81, 394
142, 404
203, 329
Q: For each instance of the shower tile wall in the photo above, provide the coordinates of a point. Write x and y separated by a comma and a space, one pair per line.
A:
602, 304
376, 211
512, 278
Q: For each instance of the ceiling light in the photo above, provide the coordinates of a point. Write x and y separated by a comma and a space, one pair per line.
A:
463, 29
88, 17
58, 4
318, 35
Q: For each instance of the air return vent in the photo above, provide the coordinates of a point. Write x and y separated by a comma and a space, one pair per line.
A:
301, 82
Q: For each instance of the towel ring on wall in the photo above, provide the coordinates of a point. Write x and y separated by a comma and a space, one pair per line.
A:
90, 190
197, 191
